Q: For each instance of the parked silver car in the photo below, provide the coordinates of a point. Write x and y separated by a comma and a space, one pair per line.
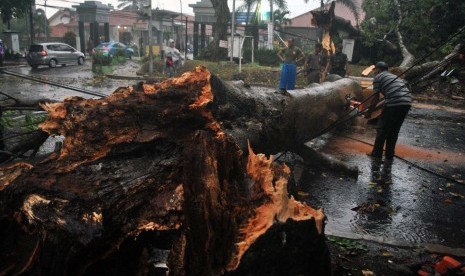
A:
52, 54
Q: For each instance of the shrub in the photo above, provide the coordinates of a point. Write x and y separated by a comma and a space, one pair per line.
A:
99, 58
263, 56
99, 61
136, 49
70, 38
120, 53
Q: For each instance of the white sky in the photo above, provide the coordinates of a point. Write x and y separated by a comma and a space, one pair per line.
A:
296, 7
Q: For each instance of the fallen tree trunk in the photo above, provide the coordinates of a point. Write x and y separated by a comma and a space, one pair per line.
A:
273, 123
33, 139
166, 167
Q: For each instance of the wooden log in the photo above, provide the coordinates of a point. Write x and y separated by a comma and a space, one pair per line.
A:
274, 123
166, 166
32, 141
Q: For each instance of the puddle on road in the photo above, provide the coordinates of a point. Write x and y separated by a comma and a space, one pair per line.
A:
405, 151
416, 207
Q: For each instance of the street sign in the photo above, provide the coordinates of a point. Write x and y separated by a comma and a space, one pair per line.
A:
241, 17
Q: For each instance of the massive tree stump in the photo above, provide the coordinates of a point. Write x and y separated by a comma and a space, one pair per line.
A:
169, 167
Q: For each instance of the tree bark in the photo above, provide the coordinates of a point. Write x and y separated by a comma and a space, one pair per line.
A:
420, 75
30, 141
408, 57
222, 18
273, 123
169, 166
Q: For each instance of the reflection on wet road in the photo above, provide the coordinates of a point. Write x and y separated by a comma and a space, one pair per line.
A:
72, 75
398, 202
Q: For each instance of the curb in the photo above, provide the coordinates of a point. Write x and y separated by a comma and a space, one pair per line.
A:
429, 247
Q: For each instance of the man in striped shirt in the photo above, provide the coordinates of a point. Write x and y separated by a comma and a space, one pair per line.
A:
397, 103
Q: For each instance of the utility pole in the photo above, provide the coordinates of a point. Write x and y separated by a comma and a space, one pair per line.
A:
180, 26
185, 50
150, 39
31, 21
233, 19
45, 20
271, 27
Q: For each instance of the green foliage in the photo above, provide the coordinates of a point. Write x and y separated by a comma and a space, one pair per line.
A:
10, 9
70, 38
280, 18
41, 23
347, 244
120, 53
262, 56
101, 63
101, 59
425, 25
28, 122
136, 49
380, 20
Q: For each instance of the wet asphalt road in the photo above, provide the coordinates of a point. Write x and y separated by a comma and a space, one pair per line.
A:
417, 207
71, 75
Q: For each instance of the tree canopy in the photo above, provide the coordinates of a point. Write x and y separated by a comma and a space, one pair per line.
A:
10, 9
425, 25
132, 5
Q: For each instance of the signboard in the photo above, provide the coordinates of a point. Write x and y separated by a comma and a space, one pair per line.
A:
348, 48
223, 44
241, 17
141, 26
155, 50
238, 42
266, 16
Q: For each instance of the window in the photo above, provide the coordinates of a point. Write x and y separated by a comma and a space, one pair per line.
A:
66, 48
53, 47
36, 48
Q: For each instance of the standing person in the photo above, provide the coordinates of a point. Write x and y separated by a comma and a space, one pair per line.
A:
338, 63
172, 58
289, 55
397, 103
313, 65
324, 63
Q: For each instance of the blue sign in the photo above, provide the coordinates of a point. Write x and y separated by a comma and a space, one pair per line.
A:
241, 17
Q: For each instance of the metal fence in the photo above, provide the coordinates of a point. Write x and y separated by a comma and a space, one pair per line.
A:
25, 42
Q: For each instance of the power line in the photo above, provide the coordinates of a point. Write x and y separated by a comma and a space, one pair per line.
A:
408, 162
80, 90
295, 35
351, 114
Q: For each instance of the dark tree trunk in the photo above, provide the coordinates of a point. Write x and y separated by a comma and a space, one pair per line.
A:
221, 26
166, 167
29, 141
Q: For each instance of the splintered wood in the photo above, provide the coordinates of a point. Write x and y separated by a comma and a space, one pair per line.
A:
93, 127
278, 208
143, 162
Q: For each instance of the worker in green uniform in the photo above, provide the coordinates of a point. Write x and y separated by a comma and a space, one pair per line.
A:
338, 63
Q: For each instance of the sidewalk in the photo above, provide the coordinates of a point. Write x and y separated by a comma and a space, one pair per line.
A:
15, 62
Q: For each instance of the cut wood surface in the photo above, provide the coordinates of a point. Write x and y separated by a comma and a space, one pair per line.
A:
170, 166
